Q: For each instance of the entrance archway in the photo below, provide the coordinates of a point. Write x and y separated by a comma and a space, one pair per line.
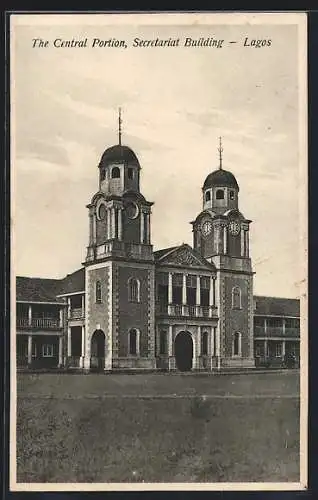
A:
183, 350
98, 350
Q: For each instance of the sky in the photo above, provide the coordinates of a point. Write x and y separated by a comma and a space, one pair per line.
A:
175, 102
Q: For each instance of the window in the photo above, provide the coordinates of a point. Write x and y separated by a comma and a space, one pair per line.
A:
236, 298
47, 351
163, 342
237, 344
220, 194
232, 195
133, 290
102, 174
207, 196
204, 343
133, 342
34, 354
130, 173
278, 350
115, 173
98, 292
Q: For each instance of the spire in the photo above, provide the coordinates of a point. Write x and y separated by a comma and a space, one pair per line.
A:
220, 150
119, 126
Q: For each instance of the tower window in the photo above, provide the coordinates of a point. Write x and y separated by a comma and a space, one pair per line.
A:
98, 292
236, 298
130, 173
220, 194
232, 195
204, 343
237, 344
207, 196
115, 173
163, 342
133, 342
102, 174
133, 290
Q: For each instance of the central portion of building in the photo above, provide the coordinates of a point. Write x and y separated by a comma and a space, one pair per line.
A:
177, 308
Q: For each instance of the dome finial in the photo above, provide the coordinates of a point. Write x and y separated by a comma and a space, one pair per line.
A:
220, 150
119, 126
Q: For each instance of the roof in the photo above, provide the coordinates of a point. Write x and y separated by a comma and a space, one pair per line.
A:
160, 253
37, 289
276, 306
222, 178
118, 154
74, 282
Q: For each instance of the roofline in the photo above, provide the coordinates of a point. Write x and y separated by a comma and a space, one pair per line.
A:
40, 302
275, 297
71, 293
284, 316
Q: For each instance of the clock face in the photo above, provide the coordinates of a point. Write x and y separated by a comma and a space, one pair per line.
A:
206, 228
101, 212
132, 210
234, 227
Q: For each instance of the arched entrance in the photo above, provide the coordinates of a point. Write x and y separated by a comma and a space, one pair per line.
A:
183, 350
98, 350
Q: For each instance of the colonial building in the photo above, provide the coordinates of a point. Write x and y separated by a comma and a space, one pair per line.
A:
129, 307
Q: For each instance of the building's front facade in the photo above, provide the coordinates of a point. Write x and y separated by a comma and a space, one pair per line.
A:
132, 308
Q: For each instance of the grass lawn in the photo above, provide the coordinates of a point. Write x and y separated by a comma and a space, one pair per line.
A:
97, 428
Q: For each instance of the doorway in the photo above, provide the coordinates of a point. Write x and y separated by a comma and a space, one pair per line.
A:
183, 349
98, 351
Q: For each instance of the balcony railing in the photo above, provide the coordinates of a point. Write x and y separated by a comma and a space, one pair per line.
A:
276, 331
45, 323
192, 311
77, 313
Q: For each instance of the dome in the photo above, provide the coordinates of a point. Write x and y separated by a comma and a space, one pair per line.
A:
118, 154
222, 178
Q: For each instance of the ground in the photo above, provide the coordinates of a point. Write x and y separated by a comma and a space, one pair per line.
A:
158, 427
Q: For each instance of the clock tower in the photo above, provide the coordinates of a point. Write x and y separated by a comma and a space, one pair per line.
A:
119, 267
221, 235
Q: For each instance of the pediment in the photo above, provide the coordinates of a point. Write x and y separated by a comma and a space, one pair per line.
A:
185, 256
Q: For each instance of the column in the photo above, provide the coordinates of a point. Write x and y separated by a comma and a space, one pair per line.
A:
242, 243
30, 315
198, 296
170, 288
211, 296
170, 341
94, 228
265, 326
108, 215
184, 293
284, 326
265, 348
83, 347
224, 239
217, 236
113, 224
142, 227
91, 215
120, 226
283, 348
247, 250
69, 341
68, 307
61, 317
148, 229
29, 349
60, 351
198, 350
218, 347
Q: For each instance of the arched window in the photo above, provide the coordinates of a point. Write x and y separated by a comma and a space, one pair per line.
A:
163, 342
232, 194
236, 298
237, 344
204, 343
133, 342
133, 290
207, 196
220, 194
102, 174
98, 292
115, 173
